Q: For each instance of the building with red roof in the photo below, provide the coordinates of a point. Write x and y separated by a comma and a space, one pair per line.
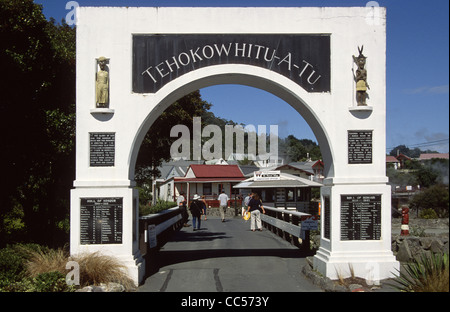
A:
208, 180
429, 156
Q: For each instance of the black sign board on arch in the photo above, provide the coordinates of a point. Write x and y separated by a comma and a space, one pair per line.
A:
158, 59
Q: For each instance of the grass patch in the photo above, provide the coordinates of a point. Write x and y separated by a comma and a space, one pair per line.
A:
33, 268
96, 269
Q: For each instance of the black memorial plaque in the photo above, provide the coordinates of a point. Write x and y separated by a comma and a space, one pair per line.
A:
102, 149
360, 217
360, 147
327, 217
158, 59
101, 220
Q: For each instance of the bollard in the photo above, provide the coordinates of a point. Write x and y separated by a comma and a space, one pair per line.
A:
405, 221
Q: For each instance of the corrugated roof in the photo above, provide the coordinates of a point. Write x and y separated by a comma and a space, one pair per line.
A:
391, 159
286, 180
433, 155
217, 171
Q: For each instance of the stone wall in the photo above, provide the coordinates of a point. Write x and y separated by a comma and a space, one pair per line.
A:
426, 236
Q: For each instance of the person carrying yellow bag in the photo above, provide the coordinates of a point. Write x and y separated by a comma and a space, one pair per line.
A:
255, 208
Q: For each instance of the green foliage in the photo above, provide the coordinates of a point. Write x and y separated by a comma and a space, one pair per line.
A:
427, 273
435, 197
11, 266
399, 177
37, 113
426, 176
428, 214
13, 273
51, 282
45, 282
298, 150
145, 194
155, 147
160, 206
418, 231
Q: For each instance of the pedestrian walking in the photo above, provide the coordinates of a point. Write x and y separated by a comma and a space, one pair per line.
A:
245, 202
196, 210
204, 206
223, 198
255, 208
181, 203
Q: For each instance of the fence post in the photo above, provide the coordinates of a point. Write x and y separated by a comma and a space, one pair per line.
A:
287, 218
295, 221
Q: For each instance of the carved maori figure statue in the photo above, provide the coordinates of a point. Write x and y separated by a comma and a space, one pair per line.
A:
102, 84
361, 78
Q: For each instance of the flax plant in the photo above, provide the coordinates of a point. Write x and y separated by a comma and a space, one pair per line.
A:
427, 273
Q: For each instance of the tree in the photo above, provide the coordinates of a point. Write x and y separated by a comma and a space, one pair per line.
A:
36, 118
300, 150
413, 153
155, 147
436, 197
425, 176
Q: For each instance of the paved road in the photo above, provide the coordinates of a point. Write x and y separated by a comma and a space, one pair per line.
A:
228, 257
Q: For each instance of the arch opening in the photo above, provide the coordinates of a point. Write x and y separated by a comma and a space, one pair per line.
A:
170, 94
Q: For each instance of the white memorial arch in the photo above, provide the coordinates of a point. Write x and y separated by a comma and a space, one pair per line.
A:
154, 56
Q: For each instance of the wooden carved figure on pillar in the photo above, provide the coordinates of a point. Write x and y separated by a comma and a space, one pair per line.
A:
405, 221
102, 84
361, 78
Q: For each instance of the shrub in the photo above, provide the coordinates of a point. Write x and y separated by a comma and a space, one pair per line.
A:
33, 268
428, 273
428, 214
158, 207
51, 282
13, 262
435, 197
45, 261
45, 282
11, 266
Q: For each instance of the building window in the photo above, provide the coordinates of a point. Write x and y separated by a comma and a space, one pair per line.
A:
299, 194
207, 188
289, 194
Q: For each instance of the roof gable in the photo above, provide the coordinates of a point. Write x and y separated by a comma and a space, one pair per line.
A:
297, 167
391, 159
214, 171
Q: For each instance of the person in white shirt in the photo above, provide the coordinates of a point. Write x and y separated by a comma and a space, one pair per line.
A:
245, 202
223, 198
181, 202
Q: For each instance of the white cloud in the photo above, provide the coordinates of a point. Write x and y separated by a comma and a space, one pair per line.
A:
444, 89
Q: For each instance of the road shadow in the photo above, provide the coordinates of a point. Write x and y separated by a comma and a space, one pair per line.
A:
169, 257
197, 236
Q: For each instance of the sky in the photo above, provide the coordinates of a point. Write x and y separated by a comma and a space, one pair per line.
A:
417, 73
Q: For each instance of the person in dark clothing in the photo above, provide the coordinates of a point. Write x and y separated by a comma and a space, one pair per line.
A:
255, 208
196, 209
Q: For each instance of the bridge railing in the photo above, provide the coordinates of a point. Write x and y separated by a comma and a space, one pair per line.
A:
155, 229
288, 225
